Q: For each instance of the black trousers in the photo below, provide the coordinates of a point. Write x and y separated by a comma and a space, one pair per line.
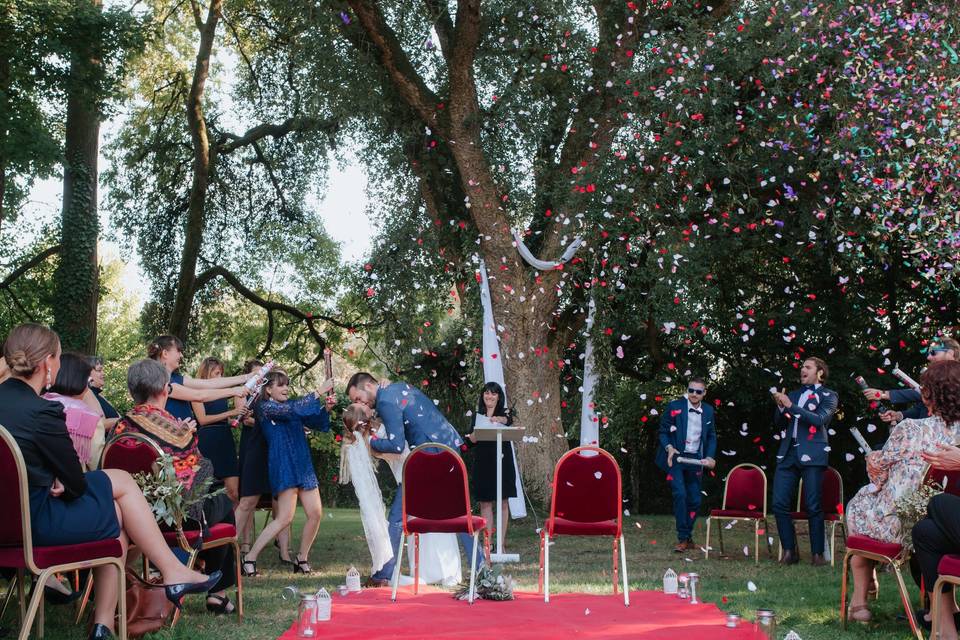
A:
216, 510
937, 535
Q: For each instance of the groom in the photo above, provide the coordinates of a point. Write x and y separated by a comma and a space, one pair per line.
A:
408, 417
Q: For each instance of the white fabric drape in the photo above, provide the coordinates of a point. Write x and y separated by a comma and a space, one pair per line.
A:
493, 372
589, 425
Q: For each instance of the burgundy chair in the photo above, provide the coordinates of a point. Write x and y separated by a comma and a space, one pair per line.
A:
949, 573
893, 554
18, 551
436, 499
744, 498
136, 453
832, 503
586, 500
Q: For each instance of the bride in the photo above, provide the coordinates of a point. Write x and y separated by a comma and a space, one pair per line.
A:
439, 552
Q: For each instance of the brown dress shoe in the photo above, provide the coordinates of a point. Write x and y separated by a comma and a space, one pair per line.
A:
818, 560
682, 546
789, 557
374, 582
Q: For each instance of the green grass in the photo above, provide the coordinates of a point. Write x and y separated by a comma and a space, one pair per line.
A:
805, 598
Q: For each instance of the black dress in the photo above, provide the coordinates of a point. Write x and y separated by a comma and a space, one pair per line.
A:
216, 441
254, 462
484, 471
85, 512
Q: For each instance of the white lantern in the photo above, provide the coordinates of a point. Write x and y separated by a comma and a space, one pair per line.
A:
353, 580
670, 582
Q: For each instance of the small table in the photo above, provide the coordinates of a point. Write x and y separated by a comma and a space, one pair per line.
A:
486, 431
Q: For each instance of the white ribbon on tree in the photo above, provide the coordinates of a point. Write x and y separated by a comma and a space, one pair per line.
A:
589, 424
493, 372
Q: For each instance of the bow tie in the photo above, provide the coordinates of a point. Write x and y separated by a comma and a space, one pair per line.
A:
807, 387
697, 411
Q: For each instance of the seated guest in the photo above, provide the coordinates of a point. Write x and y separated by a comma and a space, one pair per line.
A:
83, 423
68, 506
109, 413
940, 348
148, 382
898, 469
216, 439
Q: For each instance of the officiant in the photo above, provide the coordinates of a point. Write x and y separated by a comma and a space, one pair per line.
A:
491, 408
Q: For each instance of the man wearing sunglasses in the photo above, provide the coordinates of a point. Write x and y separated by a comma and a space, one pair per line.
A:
941, 348
687, 431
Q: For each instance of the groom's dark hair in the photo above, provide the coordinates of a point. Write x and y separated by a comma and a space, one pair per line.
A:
361, 377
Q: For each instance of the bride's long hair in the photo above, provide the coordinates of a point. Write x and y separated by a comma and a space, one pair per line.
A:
355, 419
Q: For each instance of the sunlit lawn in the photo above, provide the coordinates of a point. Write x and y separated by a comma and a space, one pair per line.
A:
805, 599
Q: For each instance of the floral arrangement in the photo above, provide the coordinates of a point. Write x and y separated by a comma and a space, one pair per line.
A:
911, 508
166, 494
491, 585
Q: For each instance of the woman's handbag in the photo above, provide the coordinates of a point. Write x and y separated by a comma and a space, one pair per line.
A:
147, 606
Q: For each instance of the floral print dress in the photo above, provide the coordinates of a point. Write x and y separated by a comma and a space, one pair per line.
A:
872, 511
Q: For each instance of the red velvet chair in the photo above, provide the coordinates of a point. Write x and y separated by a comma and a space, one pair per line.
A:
18, 551
136, 453
949, 573
744, 498
893, 554
832, 502
436, 499
586, 500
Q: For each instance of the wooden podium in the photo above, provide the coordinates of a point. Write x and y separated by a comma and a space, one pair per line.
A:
486, 431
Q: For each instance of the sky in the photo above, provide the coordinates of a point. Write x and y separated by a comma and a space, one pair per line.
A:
343, 211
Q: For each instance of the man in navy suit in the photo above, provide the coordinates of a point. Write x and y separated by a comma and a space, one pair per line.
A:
803, 417
687, 431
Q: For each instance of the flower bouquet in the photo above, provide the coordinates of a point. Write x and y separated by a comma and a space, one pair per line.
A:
491, 585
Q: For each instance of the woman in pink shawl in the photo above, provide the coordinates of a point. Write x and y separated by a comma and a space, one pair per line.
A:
84, 422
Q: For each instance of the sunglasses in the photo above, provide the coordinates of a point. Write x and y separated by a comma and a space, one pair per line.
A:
936, 350
696, 391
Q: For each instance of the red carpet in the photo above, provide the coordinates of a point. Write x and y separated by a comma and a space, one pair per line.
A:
435, 614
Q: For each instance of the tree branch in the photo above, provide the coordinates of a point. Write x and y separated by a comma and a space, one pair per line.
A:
29, 264
405, 78
230, 142
442, 23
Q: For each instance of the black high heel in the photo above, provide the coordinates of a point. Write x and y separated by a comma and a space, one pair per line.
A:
175, 592
249, 573
282, 561
301, 566
100, 632
57, 597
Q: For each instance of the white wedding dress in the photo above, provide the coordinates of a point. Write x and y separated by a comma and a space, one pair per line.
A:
439, 552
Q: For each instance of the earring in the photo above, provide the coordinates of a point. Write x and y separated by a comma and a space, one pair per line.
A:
49, 382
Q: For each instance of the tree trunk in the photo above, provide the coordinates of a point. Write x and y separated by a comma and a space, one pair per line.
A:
193, 233
77, 276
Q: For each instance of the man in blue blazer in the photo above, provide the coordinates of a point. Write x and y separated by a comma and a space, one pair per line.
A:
687, 430
803, 417
409, 418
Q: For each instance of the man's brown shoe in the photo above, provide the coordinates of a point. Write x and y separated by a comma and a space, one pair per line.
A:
818, 560
682, 546
789, 557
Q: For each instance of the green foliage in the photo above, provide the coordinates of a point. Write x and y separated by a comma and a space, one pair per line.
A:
170, 502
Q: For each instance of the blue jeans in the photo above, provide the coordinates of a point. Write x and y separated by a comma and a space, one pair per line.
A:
785, 486
395, 526
685, 486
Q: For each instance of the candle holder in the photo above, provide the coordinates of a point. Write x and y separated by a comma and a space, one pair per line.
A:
692, 580
670, 582
682, 592
733, 620
766, 623
353, 580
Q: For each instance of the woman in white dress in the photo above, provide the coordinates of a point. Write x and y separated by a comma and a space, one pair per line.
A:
439, 552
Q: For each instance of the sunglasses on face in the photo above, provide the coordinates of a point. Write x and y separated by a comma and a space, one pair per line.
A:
696, 391
937, 350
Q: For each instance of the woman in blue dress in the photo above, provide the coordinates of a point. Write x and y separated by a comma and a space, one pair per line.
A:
213, 429
168, 351
291, 468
